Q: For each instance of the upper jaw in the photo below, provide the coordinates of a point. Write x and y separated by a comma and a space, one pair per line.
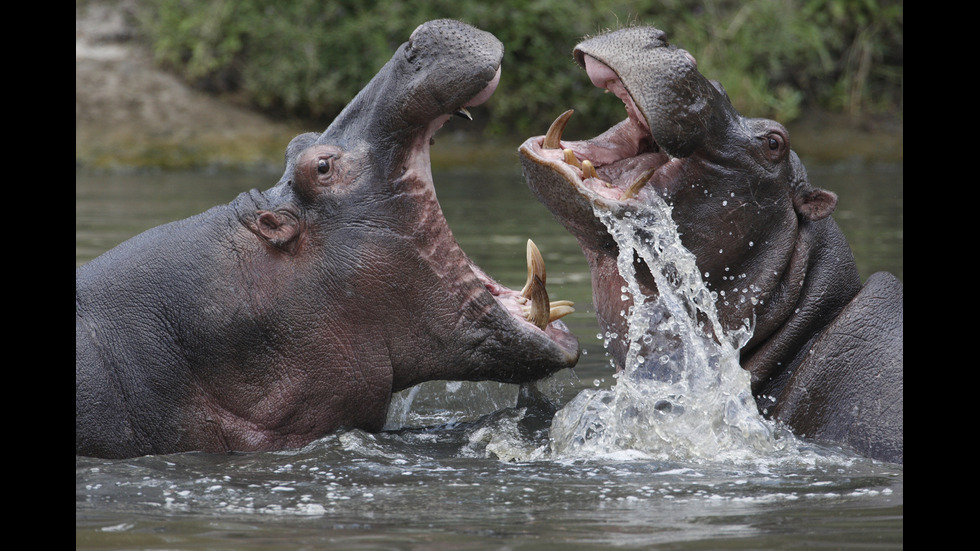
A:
462, 110
531, 310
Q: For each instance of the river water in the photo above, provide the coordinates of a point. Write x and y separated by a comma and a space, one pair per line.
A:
474, 465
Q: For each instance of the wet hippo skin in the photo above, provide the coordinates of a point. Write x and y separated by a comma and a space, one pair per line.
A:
826, 353
268, 322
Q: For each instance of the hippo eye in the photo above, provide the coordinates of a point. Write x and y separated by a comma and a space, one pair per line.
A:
775, 143
316, 167
323, 166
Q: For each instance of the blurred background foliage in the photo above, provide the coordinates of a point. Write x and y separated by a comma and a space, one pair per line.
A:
305, 59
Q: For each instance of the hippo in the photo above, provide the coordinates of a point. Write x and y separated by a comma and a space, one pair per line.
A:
825, 353
271, 321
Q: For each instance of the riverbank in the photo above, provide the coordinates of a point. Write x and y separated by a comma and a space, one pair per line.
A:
130, 114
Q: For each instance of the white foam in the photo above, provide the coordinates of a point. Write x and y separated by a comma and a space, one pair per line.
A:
682, 394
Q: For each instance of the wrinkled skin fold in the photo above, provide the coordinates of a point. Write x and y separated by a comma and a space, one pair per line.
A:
826, 355
268, 322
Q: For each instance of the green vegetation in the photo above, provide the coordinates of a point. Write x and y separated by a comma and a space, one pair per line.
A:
306, 59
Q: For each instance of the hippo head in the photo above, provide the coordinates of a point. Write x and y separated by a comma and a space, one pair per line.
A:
738, 194
356, 220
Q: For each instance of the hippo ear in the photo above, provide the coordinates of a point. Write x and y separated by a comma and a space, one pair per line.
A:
815, 204
279, 228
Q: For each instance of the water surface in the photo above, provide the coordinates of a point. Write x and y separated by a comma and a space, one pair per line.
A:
470, 466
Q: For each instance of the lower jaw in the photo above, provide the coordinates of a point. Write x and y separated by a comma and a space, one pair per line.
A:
532, 303
617, 165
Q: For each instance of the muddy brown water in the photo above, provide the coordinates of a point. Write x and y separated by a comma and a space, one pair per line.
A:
464, 465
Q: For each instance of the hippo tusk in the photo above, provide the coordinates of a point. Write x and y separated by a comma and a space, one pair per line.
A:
560, 309
588, 170
538, 312
638, 184
463, 113
541, 310
571, 159
535, 268
552, 140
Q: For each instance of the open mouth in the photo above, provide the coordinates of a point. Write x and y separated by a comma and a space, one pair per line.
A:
532, 302
617, 165
530, 306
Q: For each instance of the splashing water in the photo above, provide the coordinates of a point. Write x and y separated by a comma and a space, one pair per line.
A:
682, 393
